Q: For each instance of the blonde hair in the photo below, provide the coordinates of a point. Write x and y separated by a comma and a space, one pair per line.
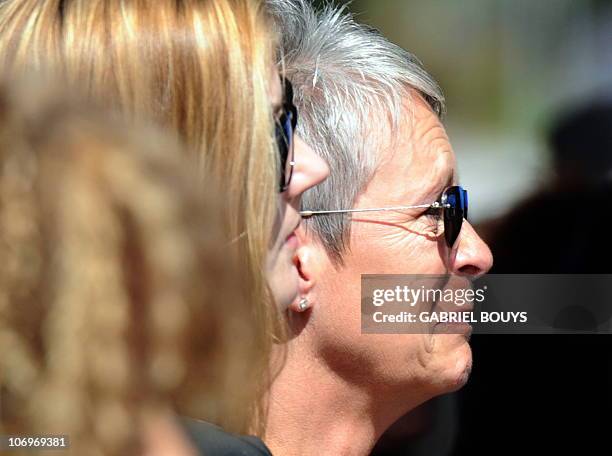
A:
200, 69
117, 297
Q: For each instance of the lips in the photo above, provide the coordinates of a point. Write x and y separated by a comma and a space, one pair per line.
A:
464, 308
292, 233
291, 240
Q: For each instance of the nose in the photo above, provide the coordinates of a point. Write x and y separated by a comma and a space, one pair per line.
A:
308, 171
471, 256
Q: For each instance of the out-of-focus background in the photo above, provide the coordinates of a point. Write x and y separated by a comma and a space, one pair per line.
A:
540, 184
507, 68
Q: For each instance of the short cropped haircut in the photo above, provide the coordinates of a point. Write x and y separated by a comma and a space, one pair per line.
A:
344, 75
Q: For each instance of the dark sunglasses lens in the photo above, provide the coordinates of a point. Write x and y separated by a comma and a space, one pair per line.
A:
456, 198
284, 139
464, 203
285, 128
288, 127
283, 151
287, 165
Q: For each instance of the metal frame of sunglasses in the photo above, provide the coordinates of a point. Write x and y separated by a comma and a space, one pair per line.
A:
454, 203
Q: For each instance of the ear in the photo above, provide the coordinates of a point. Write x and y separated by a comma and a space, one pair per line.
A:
308, 262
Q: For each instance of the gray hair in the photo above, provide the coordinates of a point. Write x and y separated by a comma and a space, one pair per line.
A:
344, 76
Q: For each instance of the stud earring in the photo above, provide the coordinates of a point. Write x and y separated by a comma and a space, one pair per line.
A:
303, 304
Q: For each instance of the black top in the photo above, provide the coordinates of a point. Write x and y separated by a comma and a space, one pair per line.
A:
211, 440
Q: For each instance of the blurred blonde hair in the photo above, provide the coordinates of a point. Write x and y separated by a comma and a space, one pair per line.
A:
117, 297
200, 69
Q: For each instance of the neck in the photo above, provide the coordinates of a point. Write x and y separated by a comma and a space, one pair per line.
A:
311, 408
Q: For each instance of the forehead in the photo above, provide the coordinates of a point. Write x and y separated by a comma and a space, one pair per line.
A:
416, 162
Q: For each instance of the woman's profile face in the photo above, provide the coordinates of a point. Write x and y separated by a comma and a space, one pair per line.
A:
308, 171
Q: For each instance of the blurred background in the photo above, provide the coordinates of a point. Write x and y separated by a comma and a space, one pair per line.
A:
507, 68
529, 95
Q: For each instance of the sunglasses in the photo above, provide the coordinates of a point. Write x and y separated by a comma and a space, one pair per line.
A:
453, 203
284, 132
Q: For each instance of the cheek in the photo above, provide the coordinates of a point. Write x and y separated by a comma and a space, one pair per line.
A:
271, 263
282, 278
395, 249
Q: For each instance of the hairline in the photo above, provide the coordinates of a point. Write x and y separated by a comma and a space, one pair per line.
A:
331, 56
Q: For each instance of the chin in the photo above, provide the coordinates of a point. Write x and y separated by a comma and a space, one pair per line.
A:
460, 367
450, 366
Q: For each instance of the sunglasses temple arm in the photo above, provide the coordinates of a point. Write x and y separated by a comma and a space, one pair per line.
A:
306, 214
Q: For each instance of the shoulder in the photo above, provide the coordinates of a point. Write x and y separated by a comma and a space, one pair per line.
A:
212, 440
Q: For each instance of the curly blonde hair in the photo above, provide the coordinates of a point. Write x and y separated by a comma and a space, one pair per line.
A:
198, 68
117, 296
